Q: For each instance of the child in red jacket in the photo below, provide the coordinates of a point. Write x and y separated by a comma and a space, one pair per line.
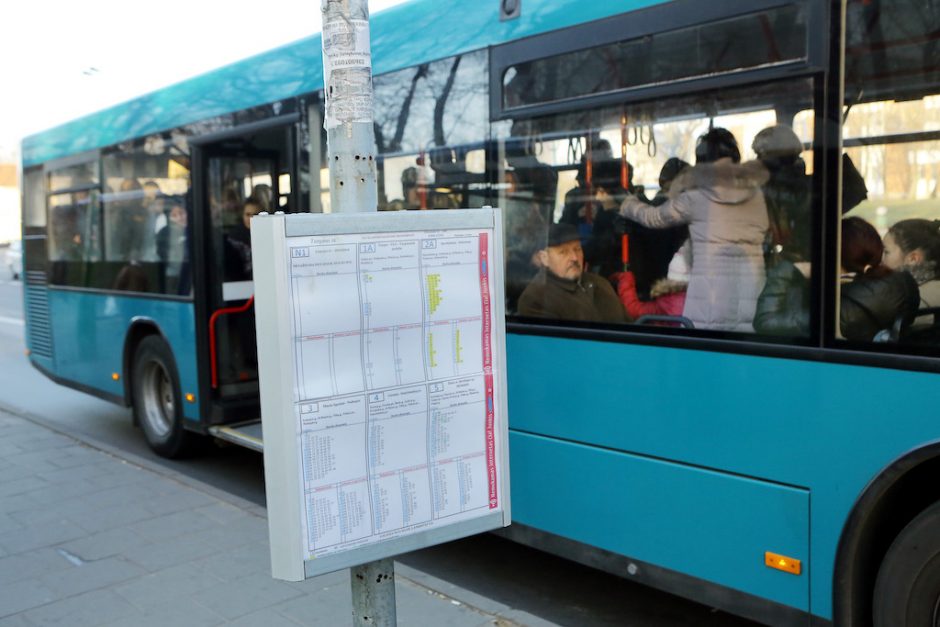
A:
667, 296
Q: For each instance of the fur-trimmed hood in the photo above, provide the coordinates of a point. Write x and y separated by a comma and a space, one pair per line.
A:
667, 286
723, 181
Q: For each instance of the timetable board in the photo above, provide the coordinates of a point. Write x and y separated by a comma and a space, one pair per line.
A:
381, 349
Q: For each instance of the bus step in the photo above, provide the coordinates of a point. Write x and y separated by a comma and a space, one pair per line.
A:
247, 434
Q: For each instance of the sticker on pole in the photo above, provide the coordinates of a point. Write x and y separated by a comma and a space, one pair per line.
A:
347, 72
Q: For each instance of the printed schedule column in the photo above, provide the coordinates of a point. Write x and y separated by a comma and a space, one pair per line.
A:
394, 383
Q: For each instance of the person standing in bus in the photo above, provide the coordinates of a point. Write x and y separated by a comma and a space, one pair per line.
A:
563, 290
721, 200
914, 245
787, 193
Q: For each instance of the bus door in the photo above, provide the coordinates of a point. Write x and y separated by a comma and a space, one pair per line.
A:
238, 177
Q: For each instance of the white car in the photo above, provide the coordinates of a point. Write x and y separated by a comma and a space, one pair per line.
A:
14, 258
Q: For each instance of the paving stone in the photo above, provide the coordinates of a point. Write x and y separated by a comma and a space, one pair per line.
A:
424, 607
91, 576
8, 523
96, 519
308, 586
172, 612
80, 456
171, 525
37, 536
177, 501
53, 493
238, 562
91, 609
30, 564
17, 620
328, 606
22, 595
21, 485
157, 556
104, 544
242, 596
267, 617
151, 592
224, 513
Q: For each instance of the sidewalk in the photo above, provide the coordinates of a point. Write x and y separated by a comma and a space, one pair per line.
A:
90, 537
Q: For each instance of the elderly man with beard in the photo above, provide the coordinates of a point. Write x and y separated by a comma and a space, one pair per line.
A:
563, 290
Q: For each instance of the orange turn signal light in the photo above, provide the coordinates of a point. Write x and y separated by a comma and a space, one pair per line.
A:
190, 397
784, 563
115, 376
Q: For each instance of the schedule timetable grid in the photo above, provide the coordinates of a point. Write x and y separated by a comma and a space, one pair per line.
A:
394, 383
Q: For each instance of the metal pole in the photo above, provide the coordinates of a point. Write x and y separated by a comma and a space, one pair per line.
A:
347, 77
373, 594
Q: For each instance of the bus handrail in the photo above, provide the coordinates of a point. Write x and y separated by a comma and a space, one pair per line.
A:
213, 360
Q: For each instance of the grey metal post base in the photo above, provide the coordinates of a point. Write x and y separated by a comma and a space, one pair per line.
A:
373, 594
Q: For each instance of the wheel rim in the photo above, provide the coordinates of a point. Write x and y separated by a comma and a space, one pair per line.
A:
159, 405
936, 613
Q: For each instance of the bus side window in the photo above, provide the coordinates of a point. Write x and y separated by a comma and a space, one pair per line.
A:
695, 221
891, 240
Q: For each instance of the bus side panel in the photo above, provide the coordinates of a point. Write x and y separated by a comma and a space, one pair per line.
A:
89, 332
828, 427
678, 517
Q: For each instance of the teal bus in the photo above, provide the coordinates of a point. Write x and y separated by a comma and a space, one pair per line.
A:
786, 475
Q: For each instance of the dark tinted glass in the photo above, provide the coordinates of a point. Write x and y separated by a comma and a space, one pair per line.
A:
759, 39
34, 199
74, 176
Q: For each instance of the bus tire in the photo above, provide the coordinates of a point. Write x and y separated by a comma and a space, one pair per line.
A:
907, 589
158, 406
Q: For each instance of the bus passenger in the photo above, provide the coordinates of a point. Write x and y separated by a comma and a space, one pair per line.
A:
720, 199
652, 250
409, 191
667, 296
264, 195
238, 242
914, 245
783, 305
563, 290
873, 296
173, 249
787, 193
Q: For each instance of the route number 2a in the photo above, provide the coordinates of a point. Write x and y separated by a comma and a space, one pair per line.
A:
428, 244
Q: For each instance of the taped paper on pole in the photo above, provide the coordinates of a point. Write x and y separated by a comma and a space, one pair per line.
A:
347, 72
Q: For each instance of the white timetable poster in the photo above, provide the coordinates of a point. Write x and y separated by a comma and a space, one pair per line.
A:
395, 383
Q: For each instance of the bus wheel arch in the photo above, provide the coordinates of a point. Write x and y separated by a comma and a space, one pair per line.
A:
896, 496
157, 398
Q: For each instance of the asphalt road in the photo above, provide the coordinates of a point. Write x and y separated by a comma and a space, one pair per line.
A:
546, 586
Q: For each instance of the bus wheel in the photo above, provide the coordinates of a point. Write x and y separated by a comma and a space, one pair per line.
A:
157, 400
907, 590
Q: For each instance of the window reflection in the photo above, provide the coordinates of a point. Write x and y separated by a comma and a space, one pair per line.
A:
430, 127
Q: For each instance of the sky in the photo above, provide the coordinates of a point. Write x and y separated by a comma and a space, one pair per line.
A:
64, 59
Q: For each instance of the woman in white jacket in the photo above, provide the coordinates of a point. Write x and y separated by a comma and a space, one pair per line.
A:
722, 202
